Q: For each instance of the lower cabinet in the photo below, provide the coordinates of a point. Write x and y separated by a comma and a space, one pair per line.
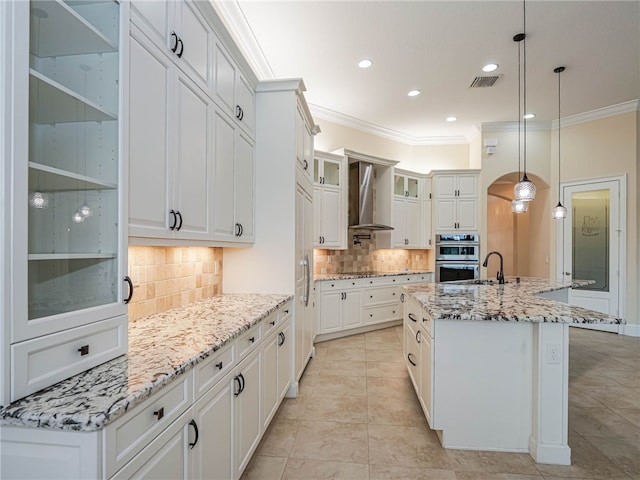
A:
206, 424
360, 302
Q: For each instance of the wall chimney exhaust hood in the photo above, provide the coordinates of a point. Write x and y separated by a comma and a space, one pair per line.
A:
361, 184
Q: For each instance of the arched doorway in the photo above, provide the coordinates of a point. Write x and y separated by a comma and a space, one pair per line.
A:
522, 239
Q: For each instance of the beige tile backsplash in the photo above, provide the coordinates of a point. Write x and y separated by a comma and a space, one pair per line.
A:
169, 277
364, 258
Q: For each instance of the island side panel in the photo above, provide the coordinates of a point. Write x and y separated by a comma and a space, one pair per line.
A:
549, 439
483, 384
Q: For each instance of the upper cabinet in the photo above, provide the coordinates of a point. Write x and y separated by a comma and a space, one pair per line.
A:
178, 29
304, 145
330, 201
191, 123
405, 185
65, 232
407, 210
427, 228
455, 197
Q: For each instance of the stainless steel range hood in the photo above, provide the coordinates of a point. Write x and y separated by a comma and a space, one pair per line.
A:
361, 181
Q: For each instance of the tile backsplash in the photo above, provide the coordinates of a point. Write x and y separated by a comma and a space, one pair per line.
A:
364, 258
170, 277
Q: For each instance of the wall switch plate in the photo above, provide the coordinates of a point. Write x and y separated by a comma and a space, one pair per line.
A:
553, 353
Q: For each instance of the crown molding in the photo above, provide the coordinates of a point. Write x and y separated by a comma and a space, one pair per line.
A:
373, 129
232, 16
600, 113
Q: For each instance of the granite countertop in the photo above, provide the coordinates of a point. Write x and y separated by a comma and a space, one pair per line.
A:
161, 348
349, 275
511, 302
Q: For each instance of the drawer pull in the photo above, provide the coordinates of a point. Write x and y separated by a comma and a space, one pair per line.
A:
394, 294
195, 429
252, 339
411, 361
370, 296
159, 413
272, 322
286, 311
219, 366
282, 338
412, 317
84, 350
371, 315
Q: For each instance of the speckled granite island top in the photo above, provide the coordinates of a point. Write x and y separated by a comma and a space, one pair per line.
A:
350, 275
161, 347
511, 302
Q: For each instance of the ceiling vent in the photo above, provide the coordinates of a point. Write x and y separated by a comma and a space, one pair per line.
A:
486, 81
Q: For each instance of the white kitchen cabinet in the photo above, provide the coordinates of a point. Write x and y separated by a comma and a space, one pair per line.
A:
248, 425
427, 229
63, 234
285, 343
304, 144
233, 93
233, 201
344, 305
170, 122
405, 185
407, 223
412, 354
276, 369
426, 379
330, 201
179, 30
456, 199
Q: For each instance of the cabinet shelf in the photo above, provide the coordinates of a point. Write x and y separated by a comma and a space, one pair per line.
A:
51, 179
71, 256
52, 102
62, 31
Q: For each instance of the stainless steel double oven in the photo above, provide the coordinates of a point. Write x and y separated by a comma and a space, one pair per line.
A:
457, 257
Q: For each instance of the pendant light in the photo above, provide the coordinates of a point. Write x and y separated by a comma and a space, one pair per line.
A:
525, 189
559, 211
519, 206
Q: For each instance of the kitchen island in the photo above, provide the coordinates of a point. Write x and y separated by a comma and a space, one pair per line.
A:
490, 363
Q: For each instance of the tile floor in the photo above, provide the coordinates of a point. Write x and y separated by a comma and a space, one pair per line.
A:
357, 418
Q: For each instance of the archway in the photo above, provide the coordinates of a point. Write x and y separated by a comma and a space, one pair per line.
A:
522, 239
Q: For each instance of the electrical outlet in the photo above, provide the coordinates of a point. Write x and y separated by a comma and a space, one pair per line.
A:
553, 353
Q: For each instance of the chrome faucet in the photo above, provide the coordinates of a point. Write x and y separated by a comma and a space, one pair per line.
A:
500, 276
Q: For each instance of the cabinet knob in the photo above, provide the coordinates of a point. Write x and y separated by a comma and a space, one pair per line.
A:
159, 413
84, 350
252, 339
272, 322
179, 54
370, 296
219, 366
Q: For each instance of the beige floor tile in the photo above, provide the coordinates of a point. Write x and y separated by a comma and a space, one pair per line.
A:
345, 354
384, 355
590, 379
495, 476
390, 387
337, 409
332, 441
601, 422
279, 437
613, 397
383, 340
406, 446
503, 463
265, 468
395, 411
386, 369
341, 386
353, 368
630, 414
320, 350
350, 341
314, 367
395, 472
301, 469
579, 397
620, 451
292, 408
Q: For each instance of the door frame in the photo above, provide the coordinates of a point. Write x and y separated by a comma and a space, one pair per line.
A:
562, 230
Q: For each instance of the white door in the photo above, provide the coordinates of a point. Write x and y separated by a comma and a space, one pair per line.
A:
592, 237
244, 186
412, 223
331, 217
224, 227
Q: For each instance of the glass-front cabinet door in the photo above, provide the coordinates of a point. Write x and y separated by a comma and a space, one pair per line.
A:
74, 237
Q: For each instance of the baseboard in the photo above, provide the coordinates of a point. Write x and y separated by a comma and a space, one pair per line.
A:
354, 331
551, 454
631, 330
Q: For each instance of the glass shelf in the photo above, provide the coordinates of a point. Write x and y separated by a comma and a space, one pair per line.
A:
57, 30
56, 180
52, 102
70, 256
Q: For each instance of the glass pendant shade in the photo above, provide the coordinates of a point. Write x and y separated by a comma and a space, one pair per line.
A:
85, 210
38, 200
77, 217
525, 190
559, 212
518, 206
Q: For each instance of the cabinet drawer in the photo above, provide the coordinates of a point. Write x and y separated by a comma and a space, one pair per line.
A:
270, 323
373, 296
132, 432
422, 278
335, 285
426, 322
382, 281
212, 369
46, 360
284, 312
248, 340
382, 313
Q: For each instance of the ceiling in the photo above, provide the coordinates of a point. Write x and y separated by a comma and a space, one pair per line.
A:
439, 47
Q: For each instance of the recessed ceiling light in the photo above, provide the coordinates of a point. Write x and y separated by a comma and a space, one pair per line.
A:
414, 93
452, 119
366, 63
490, 67
528, 116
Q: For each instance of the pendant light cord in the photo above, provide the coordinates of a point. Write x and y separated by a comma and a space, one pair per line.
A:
524, 83
519, 111
559, 72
